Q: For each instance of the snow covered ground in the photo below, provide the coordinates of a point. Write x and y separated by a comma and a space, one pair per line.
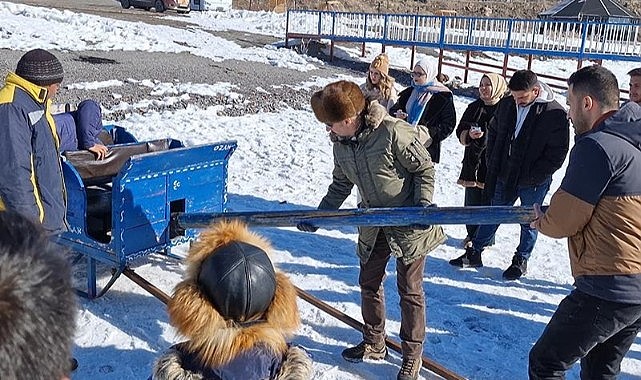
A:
478, 325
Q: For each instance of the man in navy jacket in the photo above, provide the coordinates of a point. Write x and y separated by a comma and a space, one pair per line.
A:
597, 208
31, 180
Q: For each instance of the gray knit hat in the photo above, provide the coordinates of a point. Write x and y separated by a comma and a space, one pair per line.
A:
40, 67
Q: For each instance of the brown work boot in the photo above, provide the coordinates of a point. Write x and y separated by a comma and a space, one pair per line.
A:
409, 369
365, 351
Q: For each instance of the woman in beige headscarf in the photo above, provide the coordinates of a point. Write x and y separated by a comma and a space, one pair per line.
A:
379, 85
471, 132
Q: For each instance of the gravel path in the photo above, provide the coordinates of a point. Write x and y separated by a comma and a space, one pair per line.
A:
175, 68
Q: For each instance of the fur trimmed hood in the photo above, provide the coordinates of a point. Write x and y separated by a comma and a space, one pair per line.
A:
213, 339
374, 114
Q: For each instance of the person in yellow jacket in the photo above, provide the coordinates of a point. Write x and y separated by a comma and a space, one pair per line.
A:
31, 180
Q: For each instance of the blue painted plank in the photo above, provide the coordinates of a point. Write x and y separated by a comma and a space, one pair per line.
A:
399, 216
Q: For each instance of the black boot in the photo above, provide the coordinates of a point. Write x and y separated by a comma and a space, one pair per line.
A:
470, 259
73, 364
517, 269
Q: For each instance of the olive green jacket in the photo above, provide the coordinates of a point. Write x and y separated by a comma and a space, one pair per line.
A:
391, 168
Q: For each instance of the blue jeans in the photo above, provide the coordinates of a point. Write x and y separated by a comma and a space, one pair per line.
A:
597, 331
528, 196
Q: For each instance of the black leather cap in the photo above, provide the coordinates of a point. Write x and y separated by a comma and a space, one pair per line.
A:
239, 280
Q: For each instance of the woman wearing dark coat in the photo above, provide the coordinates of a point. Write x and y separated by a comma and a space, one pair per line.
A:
427, 103
472, 131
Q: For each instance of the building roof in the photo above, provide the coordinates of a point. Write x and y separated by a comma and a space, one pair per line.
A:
580, 9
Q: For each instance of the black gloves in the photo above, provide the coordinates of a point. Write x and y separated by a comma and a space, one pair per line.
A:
306, 227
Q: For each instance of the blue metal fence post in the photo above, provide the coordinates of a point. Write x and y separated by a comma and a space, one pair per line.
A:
584, 36
508, 42
414, 35
385, 26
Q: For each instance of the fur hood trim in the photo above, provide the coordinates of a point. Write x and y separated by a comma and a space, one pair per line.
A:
374, 115
216, 340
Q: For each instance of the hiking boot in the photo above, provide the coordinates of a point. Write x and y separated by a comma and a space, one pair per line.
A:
517, 269
365, 351
409, 369
470, 259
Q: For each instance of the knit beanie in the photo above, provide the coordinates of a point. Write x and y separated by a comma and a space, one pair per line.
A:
338, 101
381, 63
40, 67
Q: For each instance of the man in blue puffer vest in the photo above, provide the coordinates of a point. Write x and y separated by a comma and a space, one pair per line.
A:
31, 180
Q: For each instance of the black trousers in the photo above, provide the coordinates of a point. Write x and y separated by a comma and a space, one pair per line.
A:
474, 197
596, 331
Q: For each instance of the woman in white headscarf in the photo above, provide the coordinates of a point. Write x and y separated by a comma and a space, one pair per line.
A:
427, 103
472, 131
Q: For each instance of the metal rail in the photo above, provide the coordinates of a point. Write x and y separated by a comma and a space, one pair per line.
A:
569, 39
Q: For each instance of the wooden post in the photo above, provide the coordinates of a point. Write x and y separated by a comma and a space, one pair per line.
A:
440, 60
363, 49
467, 66
331, 51
394, 216
383, 49
529, 61
579, 63
287, 30
412, 59
506, 58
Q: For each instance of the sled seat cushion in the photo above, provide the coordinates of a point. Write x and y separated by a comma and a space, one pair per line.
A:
94, 171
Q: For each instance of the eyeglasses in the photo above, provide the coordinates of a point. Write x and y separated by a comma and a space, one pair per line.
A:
416, 74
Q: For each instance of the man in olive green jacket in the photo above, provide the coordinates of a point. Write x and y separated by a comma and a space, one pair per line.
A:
382, 156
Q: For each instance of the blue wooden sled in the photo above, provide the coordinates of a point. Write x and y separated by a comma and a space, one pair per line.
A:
120, 208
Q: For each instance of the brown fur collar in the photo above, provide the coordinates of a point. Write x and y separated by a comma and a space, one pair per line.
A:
374, 115
218, 341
